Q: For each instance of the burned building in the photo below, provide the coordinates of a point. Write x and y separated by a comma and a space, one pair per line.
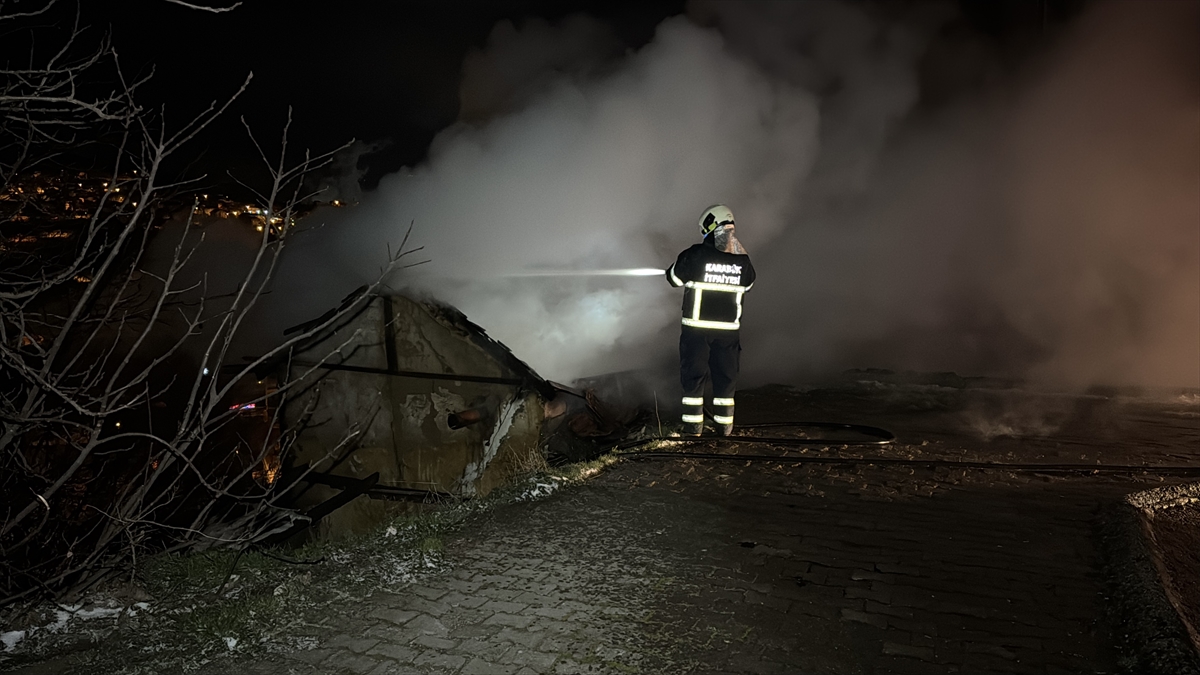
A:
407, 397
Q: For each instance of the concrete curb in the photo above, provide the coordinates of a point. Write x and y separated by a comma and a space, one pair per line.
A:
1150, 636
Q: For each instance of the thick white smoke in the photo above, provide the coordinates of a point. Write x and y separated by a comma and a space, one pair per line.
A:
595, 172
1047, 228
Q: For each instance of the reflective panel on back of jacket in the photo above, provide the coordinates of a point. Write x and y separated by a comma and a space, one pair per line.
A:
714, 283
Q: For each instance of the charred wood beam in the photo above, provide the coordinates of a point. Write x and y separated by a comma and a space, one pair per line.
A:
374, 491
399, 494
351, 489
512, 381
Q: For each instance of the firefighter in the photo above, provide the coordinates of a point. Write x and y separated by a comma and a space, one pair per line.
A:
714, 275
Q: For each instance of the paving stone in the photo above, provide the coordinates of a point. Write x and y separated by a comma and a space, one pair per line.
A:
551, 612
390, 668
525, 572
433, 642
429, 593
462, 575
555, 645
351, 642
525, 638
569, 667
537, 599
994, 650
905, 665
916, 652
396, 616
432, 607
506, 607
576, 605
478, 666
464, 616
473, 601
915, 627
864, 575
922, 639
426, 625
454, 598
986, 663
899, 612
514, 620
962, 609
888, 568
400, 653
354, 663
489, 650
471, 631
816, 609
501, 594
537, 660
432, 659
495, 580
883, 597
877, 620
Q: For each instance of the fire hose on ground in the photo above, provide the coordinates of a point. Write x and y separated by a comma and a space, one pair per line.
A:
876, 437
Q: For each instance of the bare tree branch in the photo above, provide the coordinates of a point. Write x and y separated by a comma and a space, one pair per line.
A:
204, 8
115, 369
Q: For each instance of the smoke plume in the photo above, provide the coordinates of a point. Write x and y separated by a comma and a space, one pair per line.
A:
907, 202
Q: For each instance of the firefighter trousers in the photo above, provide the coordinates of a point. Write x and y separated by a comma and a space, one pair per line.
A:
705, 354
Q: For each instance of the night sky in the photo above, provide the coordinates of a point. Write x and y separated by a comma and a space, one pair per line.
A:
381, 71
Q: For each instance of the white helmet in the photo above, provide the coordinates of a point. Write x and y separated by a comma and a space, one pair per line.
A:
714, 217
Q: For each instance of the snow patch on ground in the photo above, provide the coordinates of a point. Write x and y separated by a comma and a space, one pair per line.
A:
66, 618
11, 638
538, 490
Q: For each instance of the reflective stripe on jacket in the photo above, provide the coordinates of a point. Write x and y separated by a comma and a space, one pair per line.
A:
714, 282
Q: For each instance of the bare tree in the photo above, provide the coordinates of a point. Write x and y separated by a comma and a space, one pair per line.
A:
116, 427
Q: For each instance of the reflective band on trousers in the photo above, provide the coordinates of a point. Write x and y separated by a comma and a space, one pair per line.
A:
722, 401
693, 400
694, 419
716, 325
721, 419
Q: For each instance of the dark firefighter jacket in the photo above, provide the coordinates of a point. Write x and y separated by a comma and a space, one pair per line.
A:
714, 283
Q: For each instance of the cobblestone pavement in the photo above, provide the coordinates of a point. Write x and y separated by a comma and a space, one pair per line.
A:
752, 569
685, 566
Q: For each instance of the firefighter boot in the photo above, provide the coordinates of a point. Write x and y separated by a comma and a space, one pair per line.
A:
687, 430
